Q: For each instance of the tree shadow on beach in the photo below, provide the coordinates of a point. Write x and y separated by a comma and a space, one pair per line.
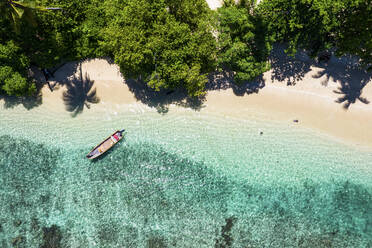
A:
27, 102
225, 80
284, 68
287, 68
36, 76
346, 71
79, 93
65, 72
163, 98
351, 79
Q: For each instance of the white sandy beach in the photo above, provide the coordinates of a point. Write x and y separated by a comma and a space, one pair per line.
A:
311, 100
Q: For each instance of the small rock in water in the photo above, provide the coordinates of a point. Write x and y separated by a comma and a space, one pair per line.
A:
295, 120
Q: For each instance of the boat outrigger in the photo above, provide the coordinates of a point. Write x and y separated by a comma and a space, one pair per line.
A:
106, 145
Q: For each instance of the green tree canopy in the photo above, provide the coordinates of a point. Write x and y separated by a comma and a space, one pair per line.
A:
354, 33
243, 41
302, 23
18, 10
168, 45
317, 25
13, 64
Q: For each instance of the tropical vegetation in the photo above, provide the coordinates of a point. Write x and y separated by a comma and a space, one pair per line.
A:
244, 41
319, 25
173, 44
168, 43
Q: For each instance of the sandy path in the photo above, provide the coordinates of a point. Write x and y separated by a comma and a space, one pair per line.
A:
214, 4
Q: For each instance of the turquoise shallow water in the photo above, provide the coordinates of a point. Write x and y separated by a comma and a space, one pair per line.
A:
184, 179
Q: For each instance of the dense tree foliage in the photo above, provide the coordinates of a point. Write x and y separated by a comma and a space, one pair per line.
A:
14, 61
301, 23
174, 43
13, 65
354, 32
318, 25
169, 43
244, 42
69, 34
18, 10
45, 36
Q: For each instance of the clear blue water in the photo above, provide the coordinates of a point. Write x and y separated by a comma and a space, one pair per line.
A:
185, 179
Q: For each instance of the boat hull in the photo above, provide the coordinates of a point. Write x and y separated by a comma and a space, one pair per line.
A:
106, 145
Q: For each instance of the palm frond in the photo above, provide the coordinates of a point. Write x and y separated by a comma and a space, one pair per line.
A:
28, 5
19, 11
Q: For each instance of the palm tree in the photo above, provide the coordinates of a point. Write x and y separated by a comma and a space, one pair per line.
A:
22, 9
79, 93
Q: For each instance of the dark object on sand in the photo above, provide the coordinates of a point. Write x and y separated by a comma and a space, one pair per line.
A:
261, 133
47, 74
295, 121
50, 87
106, 145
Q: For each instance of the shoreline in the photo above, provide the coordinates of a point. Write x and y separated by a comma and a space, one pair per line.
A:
309, 99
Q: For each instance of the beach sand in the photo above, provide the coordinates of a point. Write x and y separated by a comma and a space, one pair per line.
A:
328, 98
294, 89
331, 98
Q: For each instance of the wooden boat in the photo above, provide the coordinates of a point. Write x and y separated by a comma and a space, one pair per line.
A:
106, 145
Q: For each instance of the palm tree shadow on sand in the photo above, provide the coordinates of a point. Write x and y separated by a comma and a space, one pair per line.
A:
79, 93
350, 95
351, 81
346, 71
286, 68
225, 80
